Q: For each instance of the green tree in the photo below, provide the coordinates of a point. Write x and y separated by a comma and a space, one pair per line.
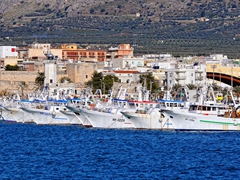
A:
150, 82
39, 80
216, 87
98, 81
175, 87
9, 67
95, 82
236, 91
191, 86
108, 83
65, 78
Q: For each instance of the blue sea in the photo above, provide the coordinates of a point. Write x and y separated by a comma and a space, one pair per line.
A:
30, 151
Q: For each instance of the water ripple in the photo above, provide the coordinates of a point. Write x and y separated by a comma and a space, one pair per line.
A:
30, 151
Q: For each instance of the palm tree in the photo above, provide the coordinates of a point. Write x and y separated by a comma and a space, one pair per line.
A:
236, 90
150, 82
216, 87
175, 87
39, 81
191, 86
65, 78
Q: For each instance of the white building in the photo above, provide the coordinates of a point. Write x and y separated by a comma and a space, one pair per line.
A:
126, 62
45, 47
186, 74
162, 65
8, 52
127, 76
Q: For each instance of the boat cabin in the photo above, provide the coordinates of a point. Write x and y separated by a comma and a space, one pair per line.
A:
208, 109
169, 104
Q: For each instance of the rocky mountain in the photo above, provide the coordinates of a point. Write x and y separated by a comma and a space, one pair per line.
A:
153, 26
11, 9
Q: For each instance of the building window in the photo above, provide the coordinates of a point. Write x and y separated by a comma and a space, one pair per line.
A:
86, 76
51, 81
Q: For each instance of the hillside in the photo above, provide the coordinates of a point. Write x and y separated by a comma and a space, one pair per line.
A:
180, 27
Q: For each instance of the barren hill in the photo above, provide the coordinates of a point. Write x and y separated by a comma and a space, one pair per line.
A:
178, 26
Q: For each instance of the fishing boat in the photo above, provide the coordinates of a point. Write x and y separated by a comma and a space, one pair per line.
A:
73, 118
77, 110
12, 112
150, 118
203, 122
147, 115
16, 114
108, 116
206, 117
48, 114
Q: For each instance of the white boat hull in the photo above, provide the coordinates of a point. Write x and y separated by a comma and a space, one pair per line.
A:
73, 118
7, 115
106, 120
18, 115
148, 121
47, 117
196, 122
84, 121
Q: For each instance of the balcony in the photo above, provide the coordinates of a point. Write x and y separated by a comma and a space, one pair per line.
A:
180, 77
180, 71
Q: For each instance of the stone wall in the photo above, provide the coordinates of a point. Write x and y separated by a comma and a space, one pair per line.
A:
80, 73
10, 80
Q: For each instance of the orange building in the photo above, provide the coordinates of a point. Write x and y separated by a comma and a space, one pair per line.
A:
71, 52
81, 54
123, 50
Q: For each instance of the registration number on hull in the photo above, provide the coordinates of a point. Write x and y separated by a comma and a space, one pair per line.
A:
118, 120
192, 119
